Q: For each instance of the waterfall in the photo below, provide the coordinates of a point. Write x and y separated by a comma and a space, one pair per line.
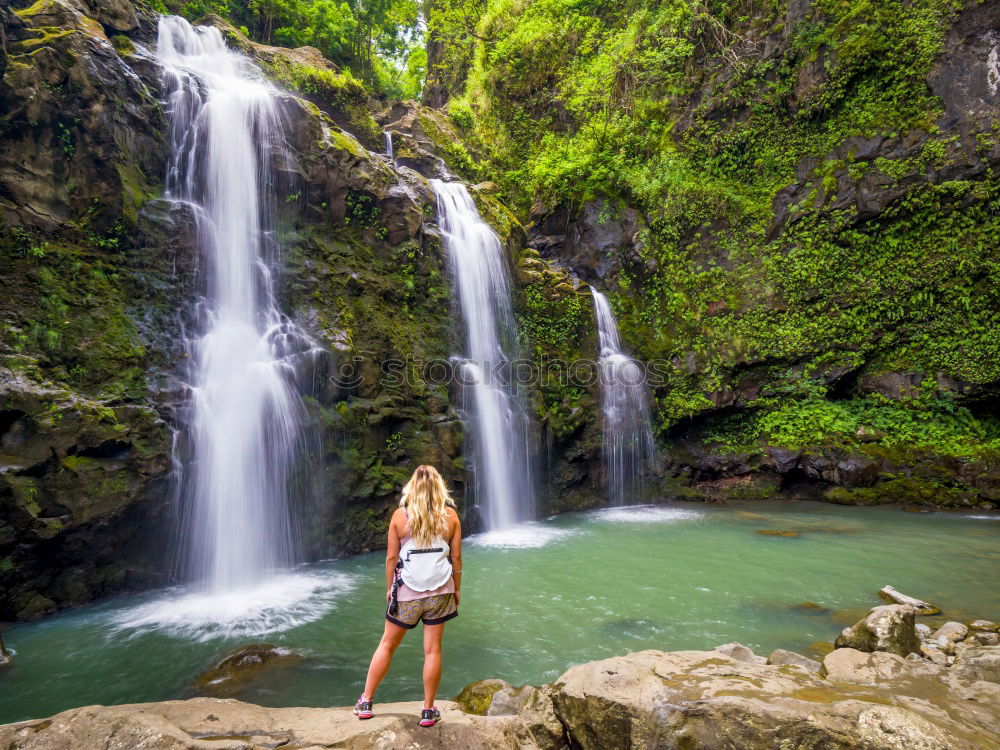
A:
388, 146
500, 464
244, 424
628, 446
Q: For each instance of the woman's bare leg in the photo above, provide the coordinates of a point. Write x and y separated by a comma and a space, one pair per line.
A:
432, 662
382, 657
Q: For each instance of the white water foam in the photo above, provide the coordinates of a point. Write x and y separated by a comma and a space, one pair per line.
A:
521, 536
280, 603
644, 514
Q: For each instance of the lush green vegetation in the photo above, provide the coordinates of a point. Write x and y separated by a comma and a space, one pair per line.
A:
803, 215
379, 41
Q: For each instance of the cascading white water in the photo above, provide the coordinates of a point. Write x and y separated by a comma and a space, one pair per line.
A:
501, 468
388, 146
628, 446
245, 421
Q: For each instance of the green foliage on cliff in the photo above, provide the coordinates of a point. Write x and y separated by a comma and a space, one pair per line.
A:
803, 206
68, 314
378, 41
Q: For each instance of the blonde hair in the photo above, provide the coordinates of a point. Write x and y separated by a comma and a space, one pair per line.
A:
426, 500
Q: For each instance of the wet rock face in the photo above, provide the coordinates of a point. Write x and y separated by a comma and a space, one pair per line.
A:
99, 275
81, 491
596, 241
79, 128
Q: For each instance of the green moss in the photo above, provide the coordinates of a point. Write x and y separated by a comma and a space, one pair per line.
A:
344, 143
673, 110
122, 44
338, 93
800, 416
907, 490
68, 314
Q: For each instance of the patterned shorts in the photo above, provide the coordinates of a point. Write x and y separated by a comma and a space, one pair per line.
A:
433, 610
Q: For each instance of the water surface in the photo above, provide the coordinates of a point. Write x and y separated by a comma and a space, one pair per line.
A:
568, 590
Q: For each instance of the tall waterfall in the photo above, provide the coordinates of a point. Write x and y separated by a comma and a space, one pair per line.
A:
628, 445
245, 423
500, 463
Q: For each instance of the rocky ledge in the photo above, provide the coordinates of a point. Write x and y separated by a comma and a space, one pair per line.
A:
729, 698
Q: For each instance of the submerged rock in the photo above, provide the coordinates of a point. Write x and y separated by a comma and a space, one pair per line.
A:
886, 628
810, 608
237, 670
984, 626
892, 596
778, 532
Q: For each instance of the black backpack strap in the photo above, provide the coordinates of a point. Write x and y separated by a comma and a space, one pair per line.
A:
396, 581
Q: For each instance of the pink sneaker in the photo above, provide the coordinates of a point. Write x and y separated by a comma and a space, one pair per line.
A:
363, 708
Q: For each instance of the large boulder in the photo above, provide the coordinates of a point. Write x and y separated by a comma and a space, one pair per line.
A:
708, 701
888, 628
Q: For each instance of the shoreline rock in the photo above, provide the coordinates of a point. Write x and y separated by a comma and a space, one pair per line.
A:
696, 700
887, 628
891, 596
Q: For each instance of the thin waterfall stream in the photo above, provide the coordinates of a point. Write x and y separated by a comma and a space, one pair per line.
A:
627, 433
245, 418
501, 467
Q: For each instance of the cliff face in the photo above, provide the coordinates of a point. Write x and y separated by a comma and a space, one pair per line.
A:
794, 207
101, 273
797, 232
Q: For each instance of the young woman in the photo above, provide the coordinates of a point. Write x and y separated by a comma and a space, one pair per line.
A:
423, 574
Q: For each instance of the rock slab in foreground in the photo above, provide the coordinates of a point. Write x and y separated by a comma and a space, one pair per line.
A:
217, 724
651, 700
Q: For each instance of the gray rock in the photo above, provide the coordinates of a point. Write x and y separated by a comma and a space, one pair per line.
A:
923, 631
708, 701
740, 652
933, 654
952, 632
875, 668
886, 628
117, 15
204, 723
986, 639
892, 596
780, 656
982, 663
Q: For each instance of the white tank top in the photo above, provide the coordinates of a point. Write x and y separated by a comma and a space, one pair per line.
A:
426, 567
